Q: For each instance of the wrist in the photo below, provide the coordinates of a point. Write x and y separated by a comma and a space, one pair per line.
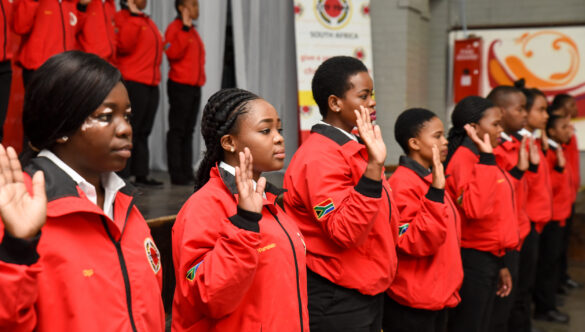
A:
374, 171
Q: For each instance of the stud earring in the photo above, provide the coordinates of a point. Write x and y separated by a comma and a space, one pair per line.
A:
64, 138
232, 149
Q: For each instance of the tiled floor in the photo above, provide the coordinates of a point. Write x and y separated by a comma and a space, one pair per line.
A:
159, 205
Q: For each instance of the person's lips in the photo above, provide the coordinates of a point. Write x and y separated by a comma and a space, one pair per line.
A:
373, 116
280, 154
123, 150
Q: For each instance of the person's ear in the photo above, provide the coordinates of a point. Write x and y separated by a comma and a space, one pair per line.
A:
335, 103
228, 143
413, 144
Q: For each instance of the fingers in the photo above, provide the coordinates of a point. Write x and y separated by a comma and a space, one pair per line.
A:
15, 168
471, 132
5, 166
436, 156
249, 164
260, 185
486, 139
38, 186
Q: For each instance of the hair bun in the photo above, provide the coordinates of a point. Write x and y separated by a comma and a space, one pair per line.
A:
520, 84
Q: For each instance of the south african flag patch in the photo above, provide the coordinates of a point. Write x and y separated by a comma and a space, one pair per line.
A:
324, 208
402, 229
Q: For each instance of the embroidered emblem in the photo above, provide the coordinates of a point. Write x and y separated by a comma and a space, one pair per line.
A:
72, 19
402, 229
460, 198
268, 247
191, 273
324, 208
501, 180
152, 254
88, 273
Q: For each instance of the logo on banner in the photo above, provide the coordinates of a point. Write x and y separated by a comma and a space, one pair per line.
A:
333, 14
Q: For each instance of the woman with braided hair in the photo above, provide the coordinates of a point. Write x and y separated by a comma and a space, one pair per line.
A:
239, 260
484, 194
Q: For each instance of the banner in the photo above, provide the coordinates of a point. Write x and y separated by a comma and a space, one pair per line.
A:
326, 28
551, 59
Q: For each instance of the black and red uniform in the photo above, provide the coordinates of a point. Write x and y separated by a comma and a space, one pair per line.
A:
485, 196
350, 226
139, 55
186, 54
97, 33
551, 238
86, 271
237, 270
47, 27
429, 272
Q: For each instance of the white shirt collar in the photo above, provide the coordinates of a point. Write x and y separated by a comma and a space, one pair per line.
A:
505, 136
111, 181
350, 135
552, 143
232, 170
525, 132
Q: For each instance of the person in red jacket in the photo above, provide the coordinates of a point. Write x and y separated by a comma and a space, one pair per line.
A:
338, 196
139, 55
186, 55
551, 239
5, 60
47, 27
239, 259
512, 103
429, 272
538, 209
97, 33
485, 200
567, 104
93, 265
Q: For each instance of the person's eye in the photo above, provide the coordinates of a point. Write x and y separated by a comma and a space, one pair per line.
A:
265, 131
364, 97
104, 117
127, 116
280, 130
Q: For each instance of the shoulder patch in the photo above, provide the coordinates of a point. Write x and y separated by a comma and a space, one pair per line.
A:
152, 254
191, 273
402, 229
324, 208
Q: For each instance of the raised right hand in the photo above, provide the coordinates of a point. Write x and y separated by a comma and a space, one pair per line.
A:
132, 7
561, 161
483, 146
438, 171
186, 17
23, 215
523, 159
249, 199
372, 137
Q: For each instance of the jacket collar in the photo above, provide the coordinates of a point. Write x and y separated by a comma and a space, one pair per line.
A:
468, 143
333, 133
230, 182
411, 164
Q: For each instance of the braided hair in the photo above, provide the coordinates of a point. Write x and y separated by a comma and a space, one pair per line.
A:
470, 109
219, 118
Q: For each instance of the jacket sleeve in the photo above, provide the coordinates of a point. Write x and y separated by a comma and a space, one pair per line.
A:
345, 211
128, 31
18, 288
217, 257
472, 184
23, 16
176, 42
423, 219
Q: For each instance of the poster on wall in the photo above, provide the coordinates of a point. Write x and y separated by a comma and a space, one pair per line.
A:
551, 59
326, 28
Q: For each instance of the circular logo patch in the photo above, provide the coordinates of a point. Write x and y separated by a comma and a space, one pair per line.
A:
333, 14
152, 254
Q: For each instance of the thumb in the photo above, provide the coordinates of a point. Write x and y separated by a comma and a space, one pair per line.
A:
38, 187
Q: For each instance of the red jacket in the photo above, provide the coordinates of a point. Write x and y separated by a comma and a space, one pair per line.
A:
562, 190
139, 49
235, 273
572, 155
429, 272
539, 200
91, 269
47, 27
485, 200
349, 221
507, 158
97, 34
6, 33
186, 54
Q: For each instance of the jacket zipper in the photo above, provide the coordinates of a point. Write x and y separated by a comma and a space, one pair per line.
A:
4, 19
154, 32
63, 26
107, 34
122, 261
296, 267
389, 203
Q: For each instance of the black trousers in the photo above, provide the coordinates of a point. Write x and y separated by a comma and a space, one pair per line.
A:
5, 84
144, 100
520, 315
184, 103
399, 318
547, 269
480, 277
503, 305
335, 308
564, 264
